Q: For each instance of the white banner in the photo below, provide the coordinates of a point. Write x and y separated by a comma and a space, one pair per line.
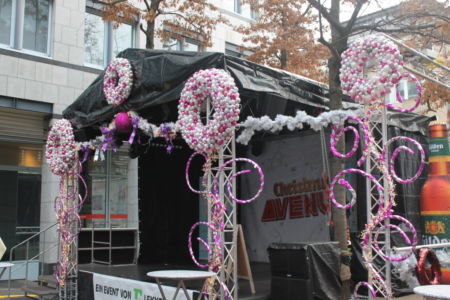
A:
111, 288
292, 206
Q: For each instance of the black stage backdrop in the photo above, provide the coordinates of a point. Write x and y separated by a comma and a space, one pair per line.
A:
167, 208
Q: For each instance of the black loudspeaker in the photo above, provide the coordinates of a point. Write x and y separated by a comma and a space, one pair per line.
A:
289, 262
282, 288
305, 271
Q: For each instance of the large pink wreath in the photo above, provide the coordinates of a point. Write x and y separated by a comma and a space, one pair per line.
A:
118, 81
61, 148
220, 88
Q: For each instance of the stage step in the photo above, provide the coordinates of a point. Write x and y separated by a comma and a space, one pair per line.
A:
43, 292
48, 280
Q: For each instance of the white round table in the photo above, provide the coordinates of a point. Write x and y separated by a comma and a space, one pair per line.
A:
4, 266
439, 291
180, 276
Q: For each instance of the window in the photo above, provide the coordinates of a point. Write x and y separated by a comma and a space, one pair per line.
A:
32, 24
104, 40
237, 7
407, 90
122, 38
187, 44
107, 182
412, 90
235, 50
232, 5
94, 34
5, 21
20, 189
36, 25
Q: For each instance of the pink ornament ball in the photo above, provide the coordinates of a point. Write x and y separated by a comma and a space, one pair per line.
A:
123, 122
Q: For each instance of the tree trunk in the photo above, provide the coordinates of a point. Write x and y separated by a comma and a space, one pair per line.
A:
339, 43
283, 59
150, 35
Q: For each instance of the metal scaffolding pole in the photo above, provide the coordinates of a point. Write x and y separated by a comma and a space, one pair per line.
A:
377, 125
227, 274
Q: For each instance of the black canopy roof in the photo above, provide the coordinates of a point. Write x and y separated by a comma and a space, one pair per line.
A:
159, 77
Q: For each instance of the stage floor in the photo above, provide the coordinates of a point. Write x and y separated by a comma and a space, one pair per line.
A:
260, 271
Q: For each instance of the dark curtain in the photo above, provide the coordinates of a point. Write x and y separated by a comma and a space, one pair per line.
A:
167, 208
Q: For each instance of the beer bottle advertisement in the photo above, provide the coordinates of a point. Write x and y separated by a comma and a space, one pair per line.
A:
435, 196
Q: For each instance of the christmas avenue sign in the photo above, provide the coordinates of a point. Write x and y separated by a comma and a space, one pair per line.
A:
292, 206
297, 199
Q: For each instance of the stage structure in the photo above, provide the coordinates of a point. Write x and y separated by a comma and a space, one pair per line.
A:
135, 95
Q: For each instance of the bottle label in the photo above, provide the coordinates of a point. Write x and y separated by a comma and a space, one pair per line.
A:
439, 147
436, 229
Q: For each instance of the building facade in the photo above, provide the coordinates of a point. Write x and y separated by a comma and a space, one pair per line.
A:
50, 51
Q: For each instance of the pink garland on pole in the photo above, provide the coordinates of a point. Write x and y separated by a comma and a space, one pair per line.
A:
206, 140
61, 155
360, 88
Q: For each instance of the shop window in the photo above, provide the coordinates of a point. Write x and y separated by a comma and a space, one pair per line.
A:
20, 190
32, 24
107, 181
186, 44
104, 40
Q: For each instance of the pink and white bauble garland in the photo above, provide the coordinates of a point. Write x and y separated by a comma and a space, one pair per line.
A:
118, 81
219, 87
375, 51
61, 148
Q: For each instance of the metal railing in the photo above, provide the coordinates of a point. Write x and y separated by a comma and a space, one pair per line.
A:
26, 243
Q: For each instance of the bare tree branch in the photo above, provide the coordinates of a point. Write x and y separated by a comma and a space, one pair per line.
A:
323, 11
322, 39
351, 22
147, 5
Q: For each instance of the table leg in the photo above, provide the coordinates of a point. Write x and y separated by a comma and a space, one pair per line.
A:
176, 292
184, 289
2, 271
160, 289
203, 290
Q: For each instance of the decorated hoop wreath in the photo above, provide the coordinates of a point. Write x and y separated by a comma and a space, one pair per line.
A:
378, 52
218, 86
61, 148
118, 81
